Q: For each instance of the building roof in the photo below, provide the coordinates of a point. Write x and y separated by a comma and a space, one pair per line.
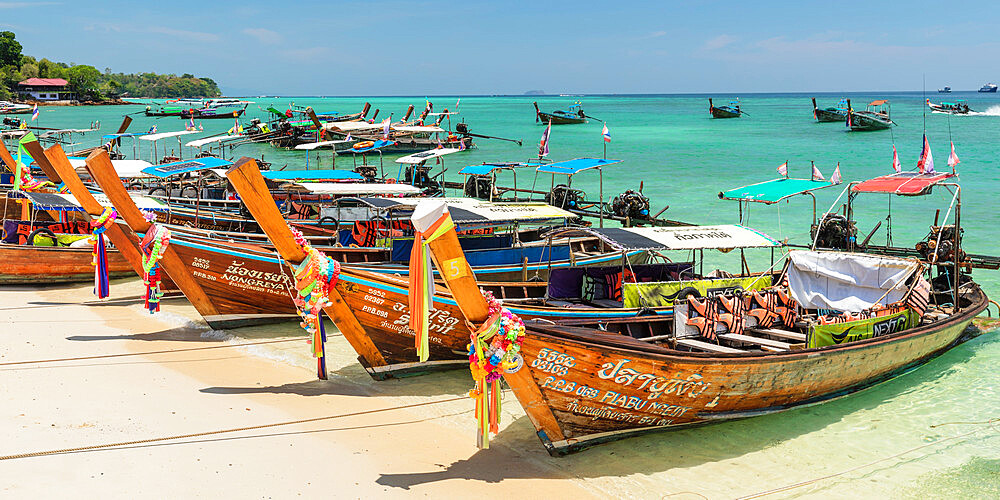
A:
44, 82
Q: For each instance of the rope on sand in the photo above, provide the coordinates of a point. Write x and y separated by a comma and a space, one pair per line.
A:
165, 351
985, 424
222, 431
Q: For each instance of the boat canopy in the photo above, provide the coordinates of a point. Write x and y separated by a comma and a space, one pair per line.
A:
355, 188
346, 126
166, 135
847, 281
376, 145
903, 183
878, 102
774, 190
127, 169
119, 136
423, 156
571, 167
309, 146
430, 129
66, 202
471, 210
311, 175
489, 168
185, 166
197, 143
676, 238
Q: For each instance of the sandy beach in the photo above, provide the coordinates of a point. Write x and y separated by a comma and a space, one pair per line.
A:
410, 437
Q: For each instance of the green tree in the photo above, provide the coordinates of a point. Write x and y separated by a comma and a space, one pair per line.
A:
10, 49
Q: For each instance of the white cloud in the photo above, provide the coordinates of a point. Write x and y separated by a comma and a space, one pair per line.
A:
718, 42
657, 34
264, 35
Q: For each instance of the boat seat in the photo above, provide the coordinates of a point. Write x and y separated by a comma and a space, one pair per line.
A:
735, 337
705, 346
785, 334
607, 303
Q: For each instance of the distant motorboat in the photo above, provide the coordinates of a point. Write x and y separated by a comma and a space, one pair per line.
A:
574, 114
989, 87
945, 90
959, 107
10, 108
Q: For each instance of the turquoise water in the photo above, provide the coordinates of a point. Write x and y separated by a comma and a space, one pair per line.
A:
683, 159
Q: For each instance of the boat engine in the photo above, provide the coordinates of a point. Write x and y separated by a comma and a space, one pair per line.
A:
12, 122
563, 196
835, 232
946, 247
631, 204
479, 186
369, 172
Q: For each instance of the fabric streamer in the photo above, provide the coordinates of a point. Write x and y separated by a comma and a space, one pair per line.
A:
23, 180
153, 246
100, 261
422, 280
494, 349
315, 276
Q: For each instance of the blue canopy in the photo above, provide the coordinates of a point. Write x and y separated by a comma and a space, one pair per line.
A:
181, 167
378, 144
311, 175
488, 168
576, 166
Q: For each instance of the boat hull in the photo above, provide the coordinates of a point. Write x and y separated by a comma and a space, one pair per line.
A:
863, 122
830, 115
724, 113
560, 119
23, 264
581, 388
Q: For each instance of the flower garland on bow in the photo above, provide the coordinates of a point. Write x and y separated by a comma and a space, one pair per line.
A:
153, 245
315, 276
494, 349
100, 253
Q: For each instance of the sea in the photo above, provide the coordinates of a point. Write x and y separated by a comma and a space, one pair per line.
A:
925, 434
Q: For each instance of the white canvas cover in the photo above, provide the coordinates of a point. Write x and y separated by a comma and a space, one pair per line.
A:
423, 156
846, 281
309, 146
498, 211
693, 237
356, 188
346, 126
416, 129
127, 169
166, 135
209, 140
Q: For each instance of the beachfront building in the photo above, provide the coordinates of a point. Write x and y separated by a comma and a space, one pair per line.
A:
45, 89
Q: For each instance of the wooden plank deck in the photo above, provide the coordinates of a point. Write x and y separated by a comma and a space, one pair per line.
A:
735, 337
705, 346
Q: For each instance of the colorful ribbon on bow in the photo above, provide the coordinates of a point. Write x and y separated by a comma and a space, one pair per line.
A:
153, 245
422, 282
315, 276
102, 287
494, 348
22, 173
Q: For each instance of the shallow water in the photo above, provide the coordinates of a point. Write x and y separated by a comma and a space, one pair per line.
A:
683, 159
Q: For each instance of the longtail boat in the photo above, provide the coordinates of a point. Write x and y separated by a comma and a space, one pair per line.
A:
733, 110
373, 309
834, 324
570, 116
836, 113
875, 116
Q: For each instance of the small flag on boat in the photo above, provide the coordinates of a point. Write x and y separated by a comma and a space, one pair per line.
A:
152, 130
835, 178
926, 162
34, 113
190, 125
898, 167
543, 145
606, 133
817, 175
953, 158
385, 129
456, 103
783, 169
348, 138
461, 145
201, 127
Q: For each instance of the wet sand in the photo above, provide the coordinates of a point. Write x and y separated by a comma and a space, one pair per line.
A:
381, 445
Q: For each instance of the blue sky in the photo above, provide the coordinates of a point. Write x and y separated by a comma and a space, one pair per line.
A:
509, 47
